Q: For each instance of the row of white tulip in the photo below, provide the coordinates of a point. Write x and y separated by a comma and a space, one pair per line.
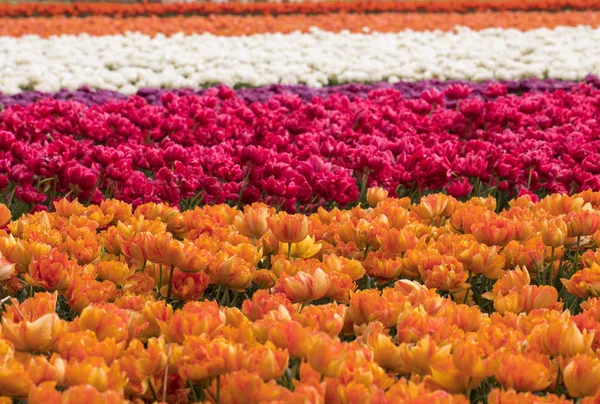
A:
128, 62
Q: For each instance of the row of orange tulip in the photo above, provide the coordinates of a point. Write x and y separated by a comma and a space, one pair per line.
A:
230, 25
307, 7
441, 300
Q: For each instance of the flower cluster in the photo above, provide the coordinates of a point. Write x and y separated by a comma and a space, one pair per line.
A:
440, 300
409, 90
132, 61
289, 7
215, 148
231, 25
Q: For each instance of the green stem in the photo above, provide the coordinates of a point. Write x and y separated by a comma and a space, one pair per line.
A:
152, 389
225, 295
469, 388
289, 251
10, 198
244, 185
576, 262
468, 289
218, 389
557, 390
193, 390
551, 269
170, 283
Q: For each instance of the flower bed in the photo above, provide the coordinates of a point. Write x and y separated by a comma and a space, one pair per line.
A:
127, 63
409, 90
231, 25
299, 156
401, 301
318, 7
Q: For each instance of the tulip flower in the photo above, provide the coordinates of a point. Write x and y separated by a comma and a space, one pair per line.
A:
580, 374
327, 356
38, 335
7, 269
524, 373
304, 249
584, 283
376, 195
289, 228
5, 215
253, 223
303, 287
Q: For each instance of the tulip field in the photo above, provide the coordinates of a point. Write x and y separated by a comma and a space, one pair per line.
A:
348, 202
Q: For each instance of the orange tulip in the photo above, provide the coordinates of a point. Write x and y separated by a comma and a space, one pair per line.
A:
494, 232
350, 267
267, 361
581, 375
540, 297
435, 205
442, 272
203, 358
498, 396
39, 335
446, 376
108, 322
303, 287
513, 302
328, 318
562, 337
385, 352
52, 271
7, 269
85, 290
120, 211
187, 286
327, 356
292, 336
554, 233
235, 272
376, 195
477, 360
511, 280
418, 358
370, 305
45, 393
382, 268
5, 215
83, 250
84, 344
263, 302
584, 223
289, 228
93, 371
264, 279
196, 318
90, 395
113, 270
243, 386
42, 370
14, 379
585, 282
481, 259
524, 373
253, 222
